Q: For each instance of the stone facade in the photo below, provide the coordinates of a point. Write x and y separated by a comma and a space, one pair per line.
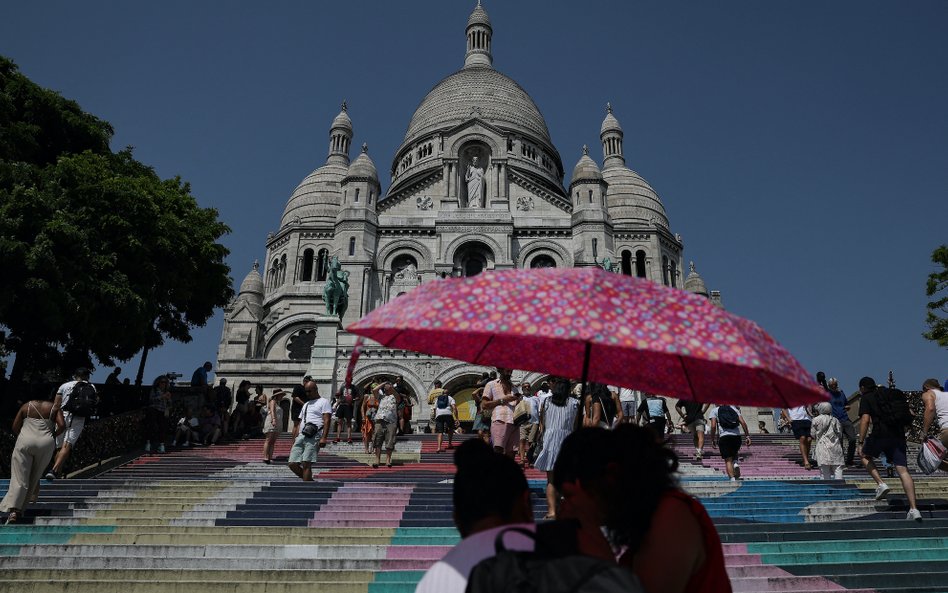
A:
429, 224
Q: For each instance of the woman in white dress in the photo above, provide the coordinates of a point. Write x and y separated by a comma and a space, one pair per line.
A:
557, 421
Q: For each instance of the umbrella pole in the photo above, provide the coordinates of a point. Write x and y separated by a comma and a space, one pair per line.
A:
586, 367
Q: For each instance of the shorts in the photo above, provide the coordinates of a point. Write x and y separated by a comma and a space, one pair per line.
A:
729, 445
658, 426
384, 435
528, 432
504, 436
444, 424
801, 428
305, 449
696, 425
943, 437
74, 426
628, 409
894, 449
480, 423
344, 411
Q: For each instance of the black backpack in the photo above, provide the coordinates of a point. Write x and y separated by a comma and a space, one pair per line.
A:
608, 409
893, 408
82, 400
728, 417
538, 572
442, 401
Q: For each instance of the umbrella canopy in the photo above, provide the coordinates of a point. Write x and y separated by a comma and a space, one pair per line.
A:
620, 330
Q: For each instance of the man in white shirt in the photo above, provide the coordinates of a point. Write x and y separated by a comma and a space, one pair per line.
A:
730, 421
800, 424
316, 412
74, 424
629, 400
386, 424
446, 415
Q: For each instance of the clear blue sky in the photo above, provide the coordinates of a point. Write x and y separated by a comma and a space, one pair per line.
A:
800, 148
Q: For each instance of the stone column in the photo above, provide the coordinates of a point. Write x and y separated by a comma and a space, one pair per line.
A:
366, 290
322, 360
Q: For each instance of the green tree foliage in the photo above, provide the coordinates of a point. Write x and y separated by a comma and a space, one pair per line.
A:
937, 308
100, 256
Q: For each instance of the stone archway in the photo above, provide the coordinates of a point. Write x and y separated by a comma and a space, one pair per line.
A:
472, 258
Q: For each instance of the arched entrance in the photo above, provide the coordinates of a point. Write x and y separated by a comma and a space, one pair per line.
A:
461, 389
473, 258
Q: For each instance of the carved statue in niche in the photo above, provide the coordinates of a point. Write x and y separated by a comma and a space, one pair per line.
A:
409, 272
475, 184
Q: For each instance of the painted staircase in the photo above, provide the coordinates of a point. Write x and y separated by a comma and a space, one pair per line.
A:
219, 519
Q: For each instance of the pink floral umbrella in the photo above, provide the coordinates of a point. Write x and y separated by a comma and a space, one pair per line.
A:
596, 325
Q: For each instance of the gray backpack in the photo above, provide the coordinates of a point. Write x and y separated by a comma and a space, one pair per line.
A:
529, 572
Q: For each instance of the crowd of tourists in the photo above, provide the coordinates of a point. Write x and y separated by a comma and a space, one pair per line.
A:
527, 424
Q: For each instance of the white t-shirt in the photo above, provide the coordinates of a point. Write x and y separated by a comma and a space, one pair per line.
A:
313, 410
627, 395
736, 431
444, 411
449, 575
798, 413
941, 408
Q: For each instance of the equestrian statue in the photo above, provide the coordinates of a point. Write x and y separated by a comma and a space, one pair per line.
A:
336, 291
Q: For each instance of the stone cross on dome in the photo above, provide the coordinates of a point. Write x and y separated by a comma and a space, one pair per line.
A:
585, 150
345, 106
365, 148
256, 265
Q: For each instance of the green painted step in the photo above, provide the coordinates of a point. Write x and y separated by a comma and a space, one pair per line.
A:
236, 576
843, 545
808, 558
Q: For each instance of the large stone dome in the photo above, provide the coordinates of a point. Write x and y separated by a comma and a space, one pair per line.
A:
316, 198
499, 99
631, 199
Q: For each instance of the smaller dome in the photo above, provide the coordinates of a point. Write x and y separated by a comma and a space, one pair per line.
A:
586, 169
610, 123
363, 166
479, 16
253, 284
342, 120
694, 283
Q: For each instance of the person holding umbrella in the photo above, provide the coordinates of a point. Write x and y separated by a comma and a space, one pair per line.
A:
666, 537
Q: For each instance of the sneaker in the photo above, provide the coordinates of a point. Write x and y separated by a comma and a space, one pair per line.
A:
882, 491
161, 448
737, 471
147, 446
185, 444
914, 515
733, 479
50, 476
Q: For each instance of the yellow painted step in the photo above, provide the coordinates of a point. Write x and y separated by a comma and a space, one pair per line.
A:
203, 576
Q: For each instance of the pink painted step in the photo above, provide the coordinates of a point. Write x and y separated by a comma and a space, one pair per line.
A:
332, 515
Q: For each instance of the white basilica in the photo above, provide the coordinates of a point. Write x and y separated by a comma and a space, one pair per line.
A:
476, 185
